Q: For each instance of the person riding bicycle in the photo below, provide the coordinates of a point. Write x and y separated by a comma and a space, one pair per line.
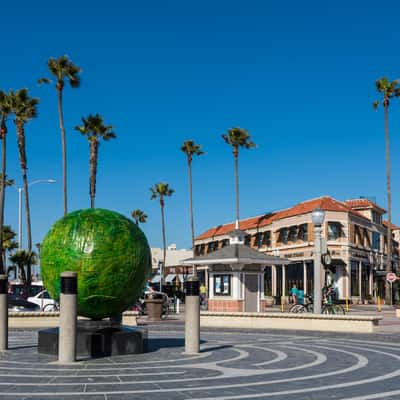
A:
294, 292
327, 295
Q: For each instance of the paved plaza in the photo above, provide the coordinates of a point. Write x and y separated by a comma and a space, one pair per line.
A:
231, 365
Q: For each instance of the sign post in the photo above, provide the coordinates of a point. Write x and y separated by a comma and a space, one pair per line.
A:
391, 277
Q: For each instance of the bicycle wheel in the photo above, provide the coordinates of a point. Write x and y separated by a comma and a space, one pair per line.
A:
326, 309
296, 308
338, 309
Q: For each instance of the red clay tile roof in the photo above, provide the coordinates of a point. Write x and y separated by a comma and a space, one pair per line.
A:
394, 227
325, 203
362, 204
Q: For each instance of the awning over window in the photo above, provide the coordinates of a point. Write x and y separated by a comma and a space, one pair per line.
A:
156, 279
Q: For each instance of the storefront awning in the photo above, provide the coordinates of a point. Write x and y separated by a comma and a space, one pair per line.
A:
170, 277
156, 279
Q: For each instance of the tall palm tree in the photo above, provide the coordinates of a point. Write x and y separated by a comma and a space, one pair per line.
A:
8, 242
63, 70
24, 109
24, 259
237, 138
139, 216
190, 148
162, 190
388, 91
5, 111
94, 129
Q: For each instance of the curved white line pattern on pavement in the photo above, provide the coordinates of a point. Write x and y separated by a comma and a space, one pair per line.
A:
231, 366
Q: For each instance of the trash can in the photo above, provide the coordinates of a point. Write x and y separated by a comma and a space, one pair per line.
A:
154, 306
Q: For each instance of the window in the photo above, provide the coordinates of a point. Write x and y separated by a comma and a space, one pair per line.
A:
267, 238
355, 279
334, 230
293, 233
222, 285
259, 240
376, 241
247, 240
376, 217
224, 243
303, 232
284, 235
268, 281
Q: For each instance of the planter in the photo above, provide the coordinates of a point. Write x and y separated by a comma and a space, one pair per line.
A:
154, 309
269, 301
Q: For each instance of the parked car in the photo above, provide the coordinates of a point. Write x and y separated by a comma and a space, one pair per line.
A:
18, 303
44, 301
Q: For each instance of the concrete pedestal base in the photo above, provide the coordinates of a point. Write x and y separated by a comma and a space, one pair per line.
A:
98, 339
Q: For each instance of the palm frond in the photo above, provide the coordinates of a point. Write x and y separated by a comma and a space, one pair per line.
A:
42, 81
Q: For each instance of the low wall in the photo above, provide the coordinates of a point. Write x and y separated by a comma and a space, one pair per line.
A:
304, 321
50, 319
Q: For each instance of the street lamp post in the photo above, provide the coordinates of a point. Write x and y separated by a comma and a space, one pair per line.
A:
160, 266
318, 220
19, 189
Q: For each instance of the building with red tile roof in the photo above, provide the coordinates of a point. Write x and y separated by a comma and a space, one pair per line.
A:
353, 232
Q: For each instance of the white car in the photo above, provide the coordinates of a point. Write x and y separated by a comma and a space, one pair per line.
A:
44, 301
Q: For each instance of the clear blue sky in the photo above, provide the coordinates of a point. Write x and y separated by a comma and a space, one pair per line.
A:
298, 75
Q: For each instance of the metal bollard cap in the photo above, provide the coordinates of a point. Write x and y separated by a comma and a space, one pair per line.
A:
3, 284
69, 282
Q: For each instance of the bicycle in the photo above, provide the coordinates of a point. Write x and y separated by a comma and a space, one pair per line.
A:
334, 309
329, 307
301, 308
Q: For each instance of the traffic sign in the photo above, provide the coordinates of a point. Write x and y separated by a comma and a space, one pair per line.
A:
391, 277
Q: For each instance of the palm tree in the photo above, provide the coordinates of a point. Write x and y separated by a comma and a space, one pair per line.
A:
63, 69
388, 90
190, 148
8, 242
24, 260
5, 111
139, 216
94, 129
24, 109
237, 137
162, 190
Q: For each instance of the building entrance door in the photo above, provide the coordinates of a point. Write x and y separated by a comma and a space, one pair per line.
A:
251, 293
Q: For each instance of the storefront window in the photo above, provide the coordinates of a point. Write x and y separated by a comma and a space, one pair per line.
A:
355, 290
268, 281
376, 241
222, 285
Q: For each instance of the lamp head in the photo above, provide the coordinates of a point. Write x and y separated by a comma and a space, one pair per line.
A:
51, 181
317, 217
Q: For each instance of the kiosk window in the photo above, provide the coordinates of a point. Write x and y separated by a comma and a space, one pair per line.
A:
222, 285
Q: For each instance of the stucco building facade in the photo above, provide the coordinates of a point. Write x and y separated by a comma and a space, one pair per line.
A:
355, 236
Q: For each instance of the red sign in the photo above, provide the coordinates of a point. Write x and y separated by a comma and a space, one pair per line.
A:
391, 277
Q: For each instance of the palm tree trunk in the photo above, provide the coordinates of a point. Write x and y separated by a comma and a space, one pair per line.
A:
163, 233
3, 131
389, 206
236, 157
94, 145
191, 209
22, 159
64, 148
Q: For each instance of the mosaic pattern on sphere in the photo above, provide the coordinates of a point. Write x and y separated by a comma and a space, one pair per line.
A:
109, 252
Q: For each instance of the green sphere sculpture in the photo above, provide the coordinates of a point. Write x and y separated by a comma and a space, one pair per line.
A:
108, 251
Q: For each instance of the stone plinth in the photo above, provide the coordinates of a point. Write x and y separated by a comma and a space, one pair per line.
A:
98, 339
